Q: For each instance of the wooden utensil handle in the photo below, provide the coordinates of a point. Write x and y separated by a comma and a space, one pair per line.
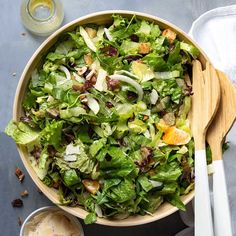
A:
222, 221
203, 216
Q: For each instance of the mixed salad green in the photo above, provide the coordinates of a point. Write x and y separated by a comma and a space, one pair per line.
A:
106, 118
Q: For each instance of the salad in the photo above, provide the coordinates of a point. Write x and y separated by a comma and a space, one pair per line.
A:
106, 118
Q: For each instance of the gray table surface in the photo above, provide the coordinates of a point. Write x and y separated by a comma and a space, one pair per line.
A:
15, 51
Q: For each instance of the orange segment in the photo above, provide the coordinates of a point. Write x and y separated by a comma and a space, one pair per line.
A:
175, 136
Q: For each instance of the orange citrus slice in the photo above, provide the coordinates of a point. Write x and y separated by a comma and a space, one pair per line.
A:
175, 136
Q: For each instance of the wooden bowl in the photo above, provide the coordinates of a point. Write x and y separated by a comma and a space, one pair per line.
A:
104, 17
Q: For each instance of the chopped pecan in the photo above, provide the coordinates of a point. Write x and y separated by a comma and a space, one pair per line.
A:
78, 87
24, 193
93, 79
19, 221
17, 203
113, 84
19, 174
89, 83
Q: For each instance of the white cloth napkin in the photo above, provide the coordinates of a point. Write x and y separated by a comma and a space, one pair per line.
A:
215, 32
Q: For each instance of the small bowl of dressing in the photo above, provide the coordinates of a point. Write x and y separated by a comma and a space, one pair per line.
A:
51, 220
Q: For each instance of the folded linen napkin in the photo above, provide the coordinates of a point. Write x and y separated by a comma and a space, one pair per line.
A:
215, 32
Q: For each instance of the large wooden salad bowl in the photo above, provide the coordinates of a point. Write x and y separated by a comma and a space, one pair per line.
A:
99, 18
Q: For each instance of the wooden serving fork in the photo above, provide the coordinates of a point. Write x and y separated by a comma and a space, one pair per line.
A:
206, 97
216, 133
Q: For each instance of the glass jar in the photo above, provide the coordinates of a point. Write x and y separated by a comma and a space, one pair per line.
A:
42, 17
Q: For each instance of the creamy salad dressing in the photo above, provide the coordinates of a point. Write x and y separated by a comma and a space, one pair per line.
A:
54, 223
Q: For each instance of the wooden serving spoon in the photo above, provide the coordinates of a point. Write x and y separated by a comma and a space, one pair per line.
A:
216, 133
206, 89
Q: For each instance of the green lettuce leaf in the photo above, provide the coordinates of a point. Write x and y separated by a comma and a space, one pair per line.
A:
156, 62
175, 200
129, 47
193, 51
96, 146
90, 218
70, 177
44, 160
174, 56
51, 134
122, 192
116, 163
145, 183
52, 56
21, 133
167, 172
64, 47
152, 202
108, 183
169, 188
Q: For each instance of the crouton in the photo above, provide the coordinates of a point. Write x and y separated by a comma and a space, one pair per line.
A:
92, 33
144, 48
88, 59
169, 34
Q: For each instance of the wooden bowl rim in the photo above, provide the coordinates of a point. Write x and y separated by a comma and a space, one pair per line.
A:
166, 208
